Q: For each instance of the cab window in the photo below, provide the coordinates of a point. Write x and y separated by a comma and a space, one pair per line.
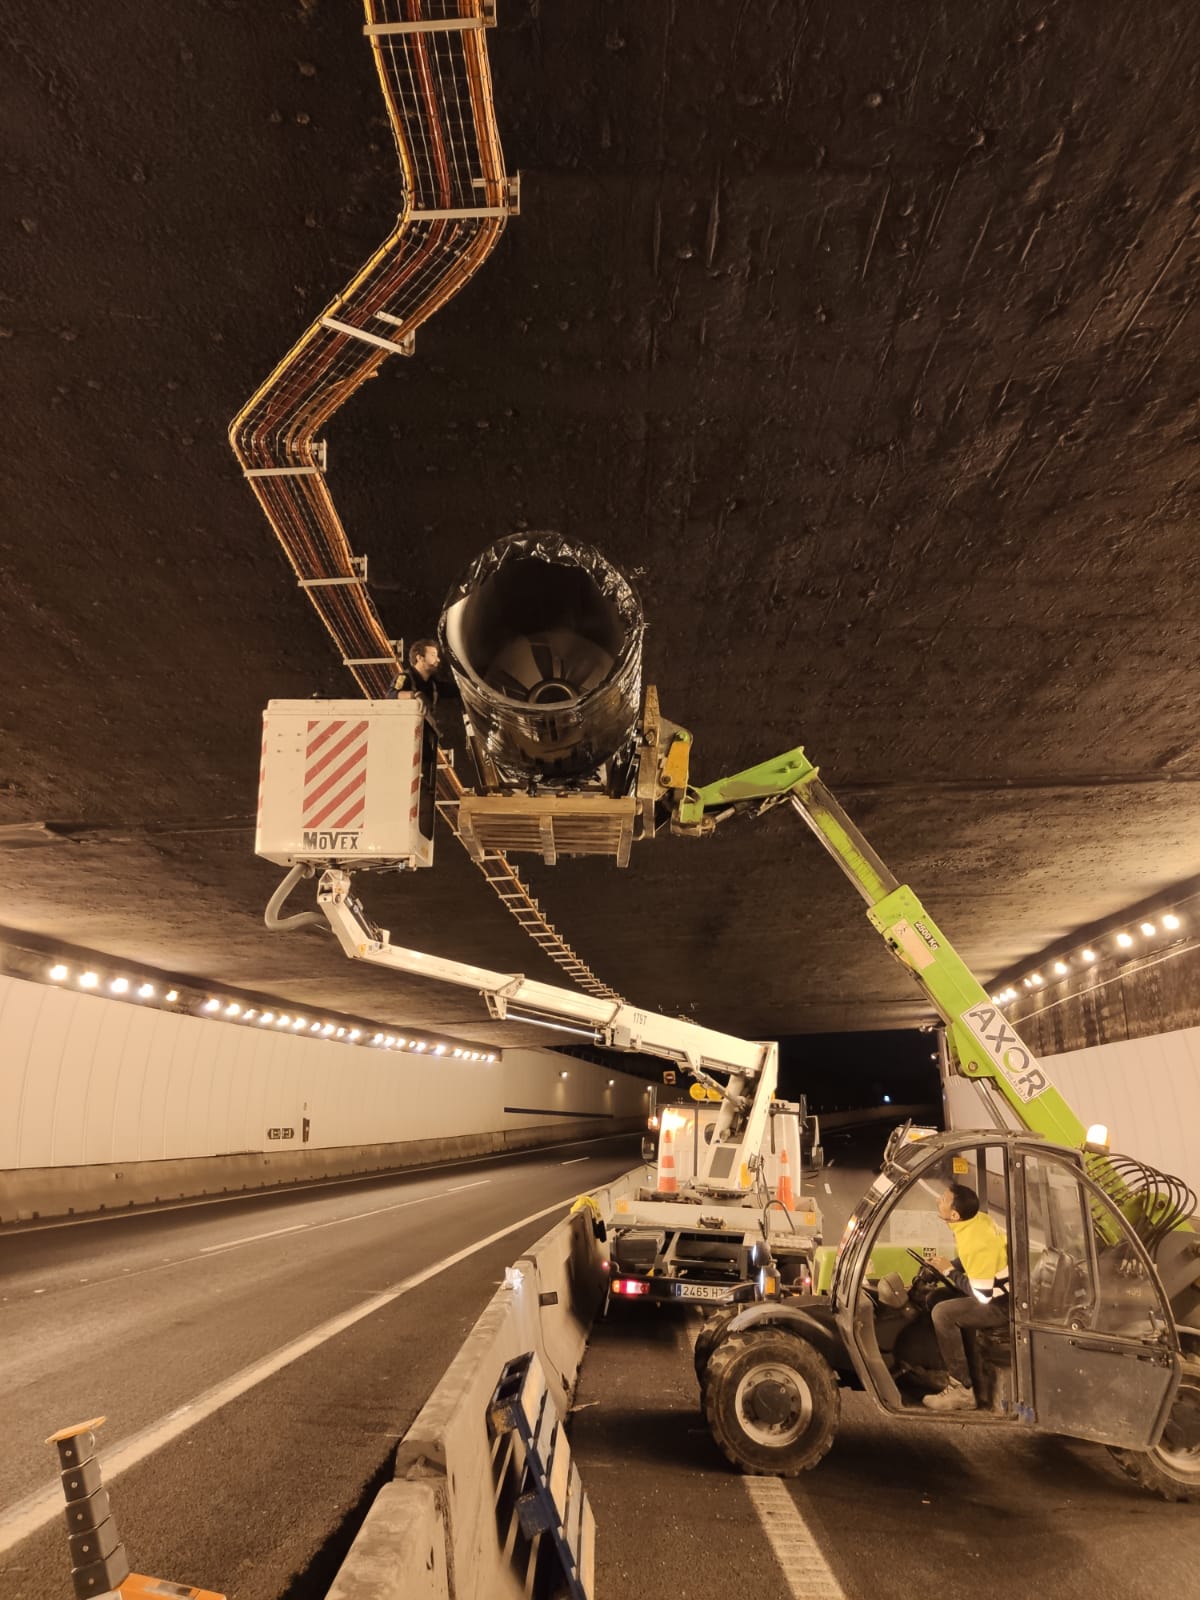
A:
1084, 1270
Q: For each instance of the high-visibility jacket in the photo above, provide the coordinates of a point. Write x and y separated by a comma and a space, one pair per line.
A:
982, 1257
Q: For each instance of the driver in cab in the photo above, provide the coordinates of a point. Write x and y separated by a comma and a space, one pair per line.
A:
980, 1272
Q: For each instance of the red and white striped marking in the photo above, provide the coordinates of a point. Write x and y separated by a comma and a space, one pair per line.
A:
335, 773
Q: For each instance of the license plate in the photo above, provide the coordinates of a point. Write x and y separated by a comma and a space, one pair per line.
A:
699, 1291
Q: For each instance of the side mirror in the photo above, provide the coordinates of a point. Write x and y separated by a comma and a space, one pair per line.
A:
649, 1148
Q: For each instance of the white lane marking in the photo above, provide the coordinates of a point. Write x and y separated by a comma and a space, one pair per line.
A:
574, 1161
805, 1570
399, 1205
298, 1227
17, 1522
250, 1238
828, 1190
279, 1191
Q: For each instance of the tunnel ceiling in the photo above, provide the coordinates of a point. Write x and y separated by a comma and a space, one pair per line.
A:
862, 337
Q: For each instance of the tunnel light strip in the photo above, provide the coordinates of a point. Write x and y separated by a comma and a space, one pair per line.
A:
220, 1009
1117, 943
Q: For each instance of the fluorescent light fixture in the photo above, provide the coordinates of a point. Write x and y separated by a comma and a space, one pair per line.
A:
1089, 956
611, 1081
1169, 921
997, 1000
211, 1004
283, 1021
1149, 929
354, 1034
1035, 979
172, 996
119, 985
233, 1009
300, 1022
1061, 968
341, 1033
146, 992
249, 1014
563, 1074
88, 980
439, 1049
1124, 940
314, 1027
59, 972
328, 1029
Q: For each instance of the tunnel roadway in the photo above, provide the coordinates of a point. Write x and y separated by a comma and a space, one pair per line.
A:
257, 1360
251, 1417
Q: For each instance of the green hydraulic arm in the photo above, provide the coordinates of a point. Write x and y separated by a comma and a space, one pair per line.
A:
982, 1044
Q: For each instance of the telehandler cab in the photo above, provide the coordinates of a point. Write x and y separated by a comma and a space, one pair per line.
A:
1094, 1349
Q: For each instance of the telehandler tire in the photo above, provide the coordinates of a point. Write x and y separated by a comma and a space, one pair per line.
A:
1172, 1468
771, 1402
709, 1338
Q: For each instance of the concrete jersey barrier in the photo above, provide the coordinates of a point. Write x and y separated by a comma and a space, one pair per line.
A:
432, 1534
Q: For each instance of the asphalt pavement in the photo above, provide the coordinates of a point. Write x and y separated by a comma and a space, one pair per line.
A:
257, 1360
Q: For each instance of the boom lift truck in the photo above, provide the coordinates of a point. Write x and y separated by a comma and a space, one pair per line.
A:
1105, 1265
727, 1215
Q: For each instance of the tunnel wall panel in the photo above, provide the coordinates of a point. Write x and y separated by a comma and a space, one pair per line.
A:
1103, 1004
86, 1080
1146, 1091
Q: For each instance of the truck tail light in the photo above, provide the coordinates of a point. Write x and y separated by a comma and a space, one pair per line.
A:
630, 1286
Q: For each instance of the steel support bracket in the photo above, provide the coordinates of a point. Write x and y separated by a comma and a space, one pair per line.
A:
359, 576
320, 456
485, 19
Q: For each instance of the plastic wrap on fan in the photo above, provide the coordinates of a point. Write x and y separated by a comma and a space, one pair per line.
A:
544, 637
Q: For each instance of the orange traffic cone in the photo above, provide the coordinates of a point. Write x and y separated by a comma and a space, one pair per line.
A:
666, 1166
783, 1189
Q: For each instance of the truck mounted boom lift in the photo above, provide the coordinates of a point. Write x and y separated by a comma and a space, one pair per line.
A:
1105, 1320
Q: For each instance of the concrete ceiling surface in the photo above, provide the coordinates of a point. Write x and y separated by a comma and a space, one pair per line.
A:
862, 336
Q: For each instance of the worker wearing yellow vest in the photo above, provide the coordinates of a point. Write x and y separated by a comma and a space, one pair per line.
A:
980, 1272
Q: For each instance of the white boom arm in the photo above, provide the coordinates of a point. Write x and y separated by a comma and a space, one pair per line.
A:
741, 1124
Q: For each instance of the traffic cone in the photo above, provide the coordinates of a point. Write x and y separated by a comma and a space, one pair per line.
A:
783, 1189
666, 1165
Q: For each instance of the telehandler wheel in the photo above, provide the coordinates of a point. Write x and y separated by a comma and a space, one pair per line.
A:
771, 1402
710, 1337
1172, 1468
